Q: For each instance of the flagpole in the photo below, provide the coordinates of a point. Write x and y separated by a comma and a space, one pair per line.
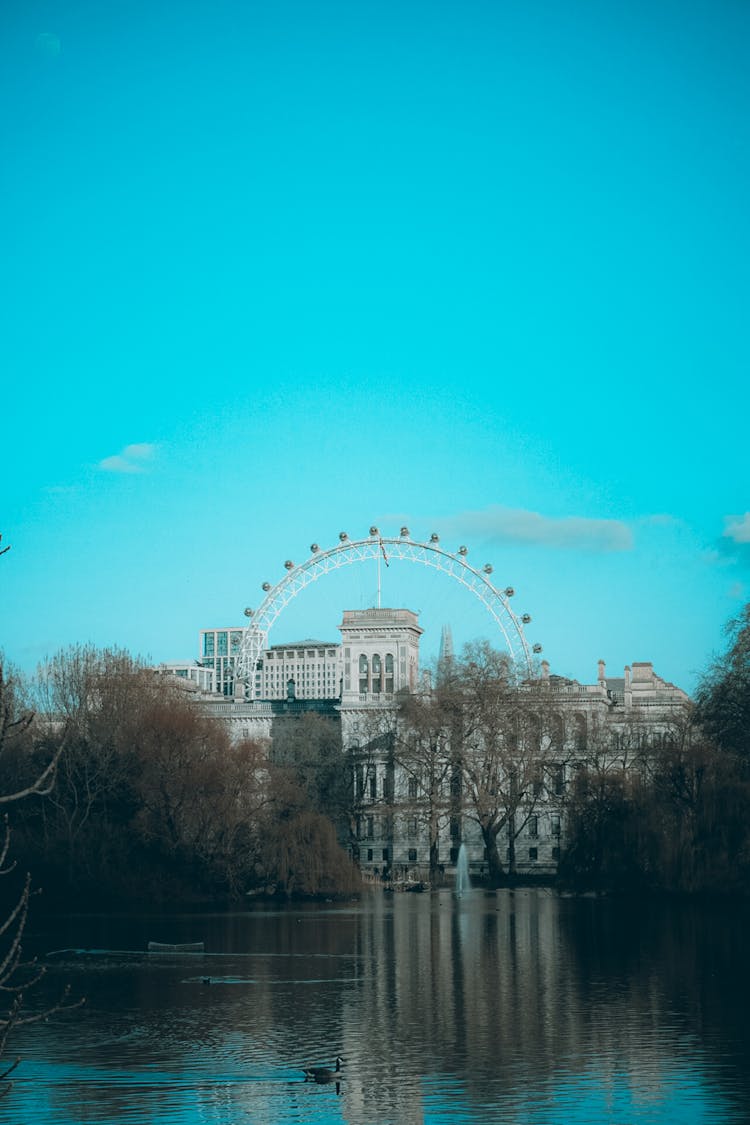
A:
378, 557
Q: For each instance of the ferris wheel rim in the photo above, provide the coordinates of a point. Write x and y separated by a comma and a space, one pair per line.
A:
403, 548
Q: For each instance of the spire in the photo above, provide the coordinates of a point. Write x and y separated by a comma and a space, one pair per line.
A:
445, 652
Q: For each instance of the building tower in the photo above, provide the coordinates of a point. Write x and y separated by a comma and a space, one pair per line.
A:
380, 649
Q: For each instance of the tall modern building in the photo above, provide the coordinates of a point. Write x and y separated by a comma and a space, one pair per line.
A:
308, 669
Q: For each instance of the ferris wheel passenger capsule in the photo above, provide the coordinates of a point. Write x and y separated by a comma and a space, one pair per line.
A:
404, 531
463, 550
314, 548
537, 648
374, 531
343, 536
487, 568
509, 591
434, 538
526, 618
266, 586
289, 564
248, 612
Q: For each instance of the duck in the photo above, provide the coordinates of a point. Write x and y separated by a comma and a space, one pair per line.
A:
324, 1073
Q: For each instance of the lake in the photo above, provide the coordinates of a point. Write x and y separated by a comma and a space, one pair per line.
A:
516, 1007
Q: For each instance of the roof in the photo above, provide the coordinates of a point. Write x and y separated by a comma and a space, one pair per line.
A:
310, 642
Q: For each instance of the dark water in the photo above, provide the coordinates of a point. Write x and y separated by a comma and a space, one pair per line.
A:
520, 1007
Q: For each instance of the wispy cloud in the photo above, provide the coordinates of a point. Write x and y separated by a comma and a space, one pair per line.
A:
733, 548
132, 459
737, 528
516, 525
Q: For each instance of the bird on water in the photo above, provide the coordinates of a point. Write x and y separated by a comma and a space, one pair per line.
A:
324, 1073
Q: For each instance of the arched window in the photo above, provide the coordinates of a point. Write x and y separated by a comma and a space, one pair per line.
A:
579, 732
533, 734
376, 674
363, 673
389, 672
557, 732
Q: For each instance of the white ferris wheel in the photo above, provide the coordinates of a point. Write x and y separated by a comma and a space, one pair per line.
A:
379, 547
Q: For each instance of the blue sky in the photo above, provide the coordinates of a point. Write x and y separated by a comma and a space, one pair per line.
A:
271, 271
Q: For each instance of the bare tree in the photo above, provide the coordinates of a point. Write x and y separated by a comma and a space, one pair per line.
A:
16, 974
423, 753
507, 758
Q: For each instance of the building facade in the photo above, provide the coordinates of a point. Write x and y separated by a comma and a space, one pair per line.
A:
413, 807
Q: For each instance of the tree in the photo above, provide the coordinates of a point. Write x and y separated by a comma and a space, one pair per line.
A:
482, 744
93, 701
723, 697
199, 800
309, 747
505, 748
422, 750
309, 808
17, 975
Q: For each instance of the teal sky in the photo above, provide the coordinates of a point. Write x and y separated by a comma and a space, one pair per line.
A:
274, 270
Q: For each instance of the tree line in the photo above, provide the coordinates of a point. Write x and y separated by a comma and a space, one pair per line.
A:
151, 802
675, 818
148, 799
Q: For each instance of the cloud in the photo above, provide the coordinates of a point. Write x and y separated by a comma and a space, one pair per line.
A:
515, 525
132, 459
737, 528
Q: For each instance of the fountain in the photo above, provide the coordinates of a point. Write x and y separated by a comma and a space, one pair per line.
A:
463, 880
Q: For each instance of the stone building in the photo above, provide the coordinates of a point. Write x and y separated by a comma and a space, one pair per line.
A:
400, 825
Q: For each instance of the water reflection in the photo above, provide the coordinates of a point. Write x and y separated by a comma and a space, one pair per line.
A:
515, 1007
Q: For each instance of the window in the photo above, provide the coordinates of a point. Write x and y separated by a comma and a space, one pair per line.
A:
369, 855
533, 826
389, 673
555, 824
376, 676
363, 673
373, 786
412, 828
455, 828
208, 644
533, 853
385, 855
369, 826
555, 854
221, 644
412, 855
412, 787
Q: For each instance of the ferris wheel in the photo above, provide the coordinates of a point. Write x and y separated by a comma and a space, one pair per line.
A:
379, 547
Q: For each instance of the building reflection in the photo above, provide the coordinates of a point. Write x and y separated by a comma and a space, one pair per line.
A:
509, 997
